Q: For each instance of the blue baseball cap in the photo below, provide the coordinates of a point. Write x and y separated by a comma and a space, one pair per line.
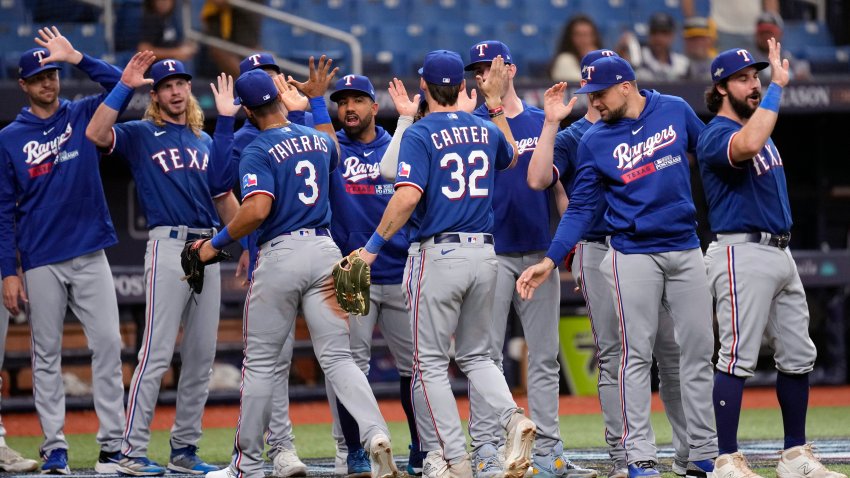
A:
258, 60
485, 51
168, 68
442, 67
593, 56
357, 83
732, 61
30, 63
254, 88
605, 73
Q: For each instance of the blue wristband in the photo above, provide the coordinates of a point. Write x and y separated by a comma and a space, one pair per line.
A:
320, 110
376, 242
243, 242
118, 96
771, 98
222, 239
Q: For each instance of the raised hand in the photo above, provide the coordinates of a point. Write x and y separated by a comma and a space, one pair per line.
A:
224, 96
58, 46
779, 68
467, 102
493, 87
553, 103
134, 73
289, 95
319, 80
532, 277
404, 105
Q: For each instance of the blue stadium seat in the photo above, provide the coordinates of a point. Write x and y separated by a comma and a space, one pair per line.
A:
459, 36
552, 13
801, 34
404, 46
128, 24
828, 60
434, 12
495, 11
14, 11
375, 12
643, 9
324, 11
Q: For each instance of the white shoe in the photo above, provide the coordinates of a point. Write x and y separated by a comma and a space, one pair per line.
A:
287, 464
461, 468
801, 462
10, 460
733, 465
518, 445
381, 457
226, 472
341, 461
435, 466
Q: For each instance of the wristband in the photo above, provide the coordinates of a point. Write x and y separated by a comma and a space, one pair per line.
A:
118, 96
243, 242
376, 242
496, 111
222, 239
496, 115
771, 98
320, 110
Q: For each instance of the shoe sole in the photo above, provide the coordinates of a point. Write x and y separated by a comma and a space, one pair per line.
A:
127, 472
57, 471
179, 469
106, 468
518, 459
20, 468
381, 454
293, 472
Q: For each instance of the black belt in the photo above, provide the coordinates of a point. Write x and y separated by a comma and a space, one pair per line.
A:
455, 238
603, 241
776, 240
190, 236
322, 231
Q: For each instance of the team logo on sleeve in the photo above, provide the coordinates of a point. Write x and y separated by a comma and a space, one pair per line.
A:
403, 170
249, 180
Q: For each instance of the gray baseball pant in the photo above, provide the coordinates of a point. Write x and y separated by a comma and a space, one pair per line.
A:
280, 436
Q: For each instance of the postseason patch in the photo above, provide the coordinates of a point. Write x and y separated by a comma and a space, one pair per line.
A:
249, 180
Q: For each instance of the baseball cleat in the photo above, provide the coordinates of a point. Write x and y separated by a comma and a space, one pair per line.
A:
679, 467
287, 464
801, 462
461, 468
12, 461
108, 462
56, 463
415, 461
518, 445
341, 461
381, 457
557, 465
699, 469
486, 463
643, 469
358, 465
226, 472
186, 460
140, 466
733, 465
435, 466
618, 471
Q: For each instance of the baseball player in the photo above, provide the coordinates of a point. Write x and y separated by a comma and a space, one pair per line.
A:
172, 161
555, 158
447, 182
279, 437
637, 154
522, 234
285, 175
751, 273
53, 214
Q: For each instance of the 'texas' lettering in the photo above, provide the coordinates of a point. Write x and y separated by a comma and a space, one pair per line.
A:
629, 155
37, 152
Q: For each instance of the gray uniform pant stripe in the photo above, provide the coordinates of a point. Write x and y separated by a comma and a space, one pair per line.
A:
85, 285
643, 284
539, 318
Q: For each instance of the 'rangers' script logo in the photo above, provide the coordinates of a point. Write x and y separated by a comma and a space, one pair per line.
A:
37, 152
356, 171
628, 156
526, 144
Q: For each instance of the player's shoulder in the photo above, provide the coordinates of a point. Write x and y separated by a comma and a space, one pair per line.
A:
719, 126
532, 111
672, 101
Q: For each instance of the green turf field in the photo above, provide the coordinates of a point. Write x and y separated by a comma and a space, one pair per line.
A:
578, 431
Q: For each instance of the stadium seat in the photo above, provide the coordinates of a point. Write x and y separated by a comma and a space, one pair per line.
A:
459, 36
403, 46
324, 11
495, 11
14, 11
801, 34
375, 12
552, 13
643, 9
828, 60
128, 24
434, 12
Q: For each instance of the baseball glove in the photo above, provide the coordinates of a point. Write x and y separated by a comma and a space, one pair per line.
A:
193, 266
352, 278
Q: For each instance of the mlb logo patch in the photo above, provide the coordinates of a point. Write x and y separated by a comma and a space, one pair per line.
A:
404, 169
249, 180
472, 239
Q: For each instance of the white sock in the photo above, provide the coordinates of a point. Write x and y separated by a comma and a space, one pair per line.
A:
2, 441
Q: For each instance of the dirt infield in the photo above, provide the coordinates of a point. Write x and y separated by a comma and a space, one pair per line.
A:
224, 416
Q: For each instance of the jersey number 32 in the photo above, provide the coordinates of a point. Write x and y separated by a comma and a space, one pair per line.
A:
479, 166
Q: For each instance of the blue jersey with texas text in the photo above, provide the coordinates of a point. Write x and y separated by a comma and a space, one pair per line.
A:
641, 165
172, 168
748, 196
450, 157
359, 196
290, 164
52, 205
522, 215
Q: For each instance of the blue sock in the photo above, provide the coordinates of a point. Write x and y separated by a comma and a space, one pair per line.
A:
407, 405
793, 394
727, 395
350, 430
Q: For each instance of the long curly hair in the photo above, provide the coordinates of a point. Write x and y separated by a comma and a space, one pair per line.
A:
194, 115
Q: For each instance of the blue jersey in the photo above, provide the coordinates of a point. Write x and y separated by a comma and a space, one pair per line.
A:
52, 206
449, 157
291, 164
522, 215
173, 167
359, 196
642, 166
565, 162
749, 196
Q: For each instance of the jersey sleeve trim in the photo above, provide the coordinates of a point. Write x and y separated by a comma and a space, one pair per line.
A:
729, 150
259, 191
407, 183
114, 139
225, 193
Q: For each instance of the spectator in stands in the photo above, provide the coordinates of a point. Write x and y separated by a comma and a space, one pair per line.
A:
234, 25
580, 36
700, 37
162, 32
770, 25
734, 19
658, 60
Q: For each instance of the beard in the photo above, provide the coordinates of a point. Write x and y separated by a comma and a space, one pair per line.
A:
743, 108
615, 115
354, 131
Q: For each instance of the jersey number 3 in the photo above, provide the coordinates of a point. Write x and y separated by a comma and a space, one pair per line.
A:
310, 181
458, 176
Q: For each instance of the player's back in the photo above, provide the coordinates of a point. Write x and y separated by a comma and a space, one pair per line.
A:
292, 165
450, 157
